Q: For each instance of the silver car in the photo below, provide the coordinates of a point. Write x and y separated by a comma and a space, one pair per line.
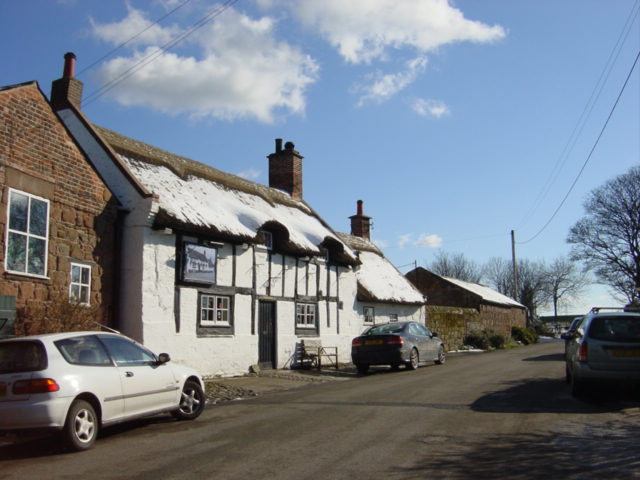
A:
605, 347
78, 382
395, 344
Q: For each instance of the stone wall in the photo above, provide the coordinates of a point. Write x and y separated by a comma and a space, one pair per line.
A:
39, 158
453, 324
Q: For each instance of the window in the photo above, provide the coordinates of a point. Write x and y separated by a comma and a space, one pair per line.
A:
27, 234
306, 315
267, 239
80, 286
83, 351
127, 353
215, 311
369, 314
393, 317
199, 263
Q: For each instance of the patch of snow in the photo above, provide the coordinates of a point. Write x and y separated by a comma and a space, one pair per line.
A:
378, 276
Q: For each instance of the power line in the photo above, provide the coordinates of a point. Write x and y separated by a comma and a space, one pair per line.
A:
586, 113
92, 97
590, 153
111, 52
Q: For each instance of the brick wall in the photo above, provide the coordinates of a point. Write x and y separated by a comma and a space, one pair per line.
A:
37, 156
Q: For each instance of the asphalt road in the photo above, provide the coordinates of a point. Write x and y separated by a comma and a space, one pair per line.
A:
505, 414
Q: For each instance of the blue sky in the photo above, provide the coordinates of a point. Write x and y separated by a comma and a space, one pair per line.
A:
454, 122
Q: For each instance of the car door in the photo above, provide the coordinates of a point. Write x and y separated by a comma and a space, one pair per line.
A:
419, 340
431, 346
147, 386
93, 371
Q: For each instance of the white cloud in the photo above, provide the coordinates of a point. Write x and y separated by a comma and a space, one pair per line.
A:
364, 30
236, 69
404, 239
134, 25
380, 243
429, 241
249, 174
430, 108
385, 86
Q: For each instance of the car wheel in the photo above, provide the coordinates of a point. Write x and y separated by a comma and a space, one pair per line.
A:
81, 426
362, 368
192, 402
442, 357
413, 359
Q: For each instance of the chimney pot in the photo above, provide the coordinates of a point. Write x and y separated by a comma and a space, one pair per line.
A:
278, 145
360, 209
289, 146
69, 65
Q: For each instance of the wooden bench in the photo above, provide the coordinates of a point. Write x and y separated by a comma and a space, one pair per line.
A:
313, 354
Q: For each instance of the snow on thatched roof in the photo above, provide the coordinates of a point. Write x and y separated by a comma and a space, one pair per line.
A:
378, 279
195, 196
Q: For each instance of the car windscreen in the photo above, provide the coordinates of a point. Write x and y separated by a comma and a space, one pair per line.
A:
385, 329
22, 356
616, 329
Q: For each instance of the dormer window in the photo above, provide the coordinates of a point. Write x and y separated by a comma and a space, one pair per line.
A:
267, 239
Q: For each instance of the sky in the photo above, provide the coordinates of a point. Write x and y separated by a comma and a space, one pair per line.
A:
454, 121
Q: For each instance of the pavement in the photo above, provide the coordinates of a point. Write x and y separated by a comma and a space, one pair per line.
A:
224, 389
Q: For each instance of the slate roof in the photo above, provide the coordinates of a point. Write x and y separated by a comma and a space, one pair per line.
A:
486, 293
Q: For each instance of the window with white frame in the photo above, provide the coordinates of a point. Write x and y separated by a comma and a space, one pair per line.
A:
393, 317
27, 234
80, 286
306, 315
215, 310
369, 314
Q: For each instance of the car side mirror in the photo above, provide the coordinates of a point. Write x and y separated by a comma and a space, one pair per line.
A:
163, 358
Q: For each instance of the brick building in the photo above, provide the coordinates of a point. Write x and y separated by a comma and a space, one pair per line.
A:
57, 217
456, 308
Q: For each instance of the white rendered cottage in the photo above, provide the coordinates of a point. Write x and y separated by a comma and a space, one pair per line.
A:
221, 272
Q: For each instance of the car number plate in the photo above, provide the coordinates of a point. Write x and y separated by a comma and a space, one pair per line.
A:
630, 353
3, 389
373, 342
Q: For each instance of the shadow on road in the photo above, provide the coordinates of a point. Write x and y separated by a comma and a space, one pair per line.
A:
553, 396
556, 357
594, 451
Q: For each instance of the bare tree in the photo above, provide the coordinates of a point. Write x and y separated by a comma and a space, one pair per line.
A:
456, 265
531, 292
607, 239
563, 282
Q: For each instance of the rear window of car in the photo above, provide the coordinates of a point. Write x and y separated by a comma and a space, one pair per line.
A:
385, 329
22, 356
86, 350
616, 329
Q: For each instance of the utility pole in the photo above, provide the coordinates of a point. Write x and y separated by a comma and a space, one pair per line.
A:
515, 265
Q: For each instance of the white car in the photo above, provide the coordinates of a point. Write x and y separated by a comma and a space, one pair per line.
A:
78, 382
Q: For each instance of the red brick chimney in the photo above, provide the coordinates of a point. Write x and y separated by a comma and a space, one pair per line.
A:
68, 89
285, 169
360, 223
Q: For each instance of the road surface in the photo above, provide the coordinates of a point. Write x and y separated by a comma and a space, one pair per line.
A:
504, 414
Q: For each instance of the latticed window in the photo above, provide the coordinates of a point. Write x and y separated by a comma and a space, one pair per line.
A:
28, 229
306, 315
80, 287
369, 315
214, 310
